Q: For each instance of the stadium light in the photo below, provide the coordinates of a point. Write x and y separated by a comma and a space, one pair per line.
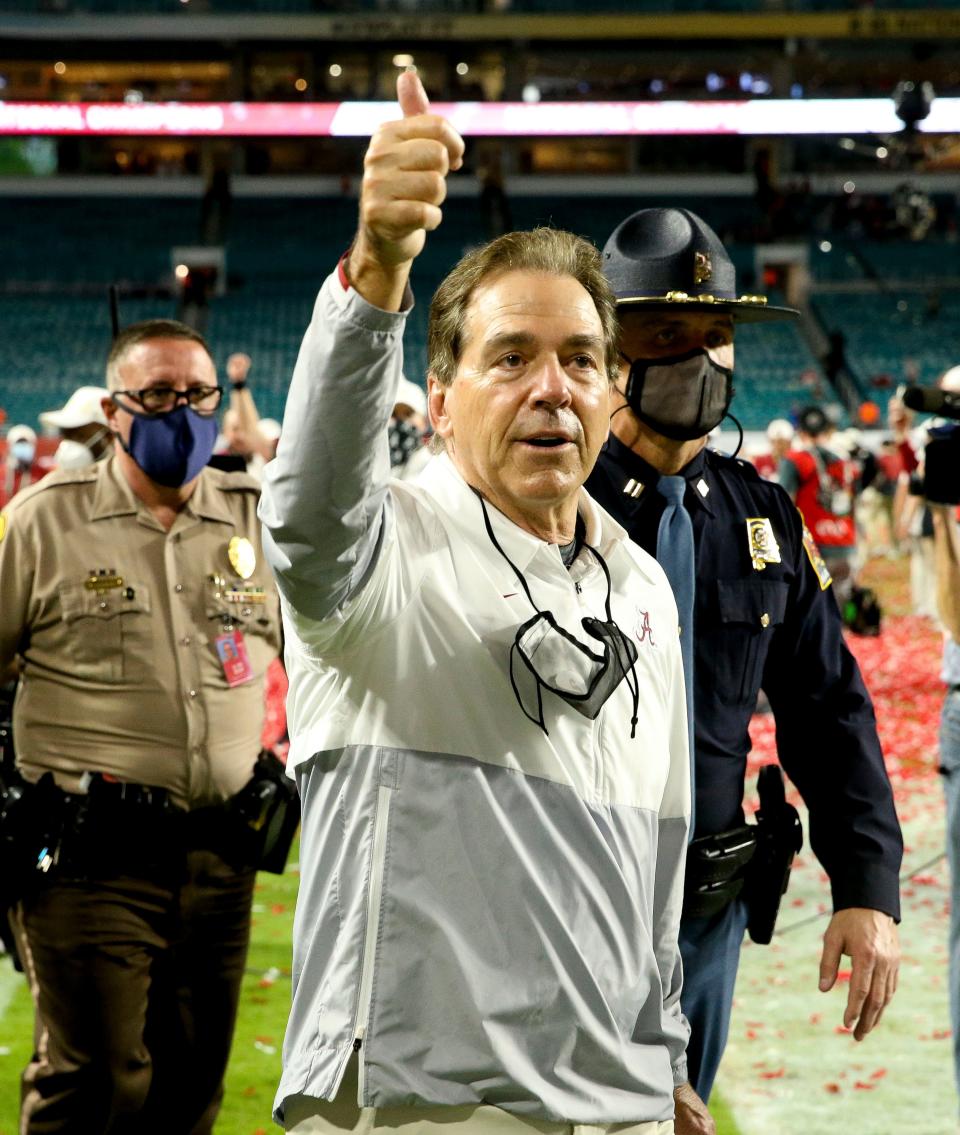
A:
771, 117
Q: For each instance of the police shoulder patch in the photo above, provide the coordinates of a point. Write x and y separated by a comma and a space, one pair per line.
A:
816, 560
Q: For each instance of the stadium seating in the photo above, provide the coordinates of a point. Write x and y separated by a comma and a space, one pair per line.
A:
893, 336
59, 254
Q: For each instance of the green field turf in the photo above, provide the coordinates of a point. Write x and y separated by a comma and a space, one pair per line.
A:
255, 1060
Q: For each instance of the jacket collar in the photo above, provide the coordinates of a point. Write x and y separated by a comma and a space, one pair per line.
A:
639, 477
461, 506
114, 497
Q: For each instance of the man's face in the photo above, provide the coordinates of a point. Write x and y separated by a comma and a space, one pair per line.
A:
176, 363
529, 406
235, 435
898, 416
662, 334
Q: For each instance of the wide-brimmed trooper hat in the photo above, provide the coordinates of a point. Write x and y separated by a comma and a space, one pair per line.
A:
670, 258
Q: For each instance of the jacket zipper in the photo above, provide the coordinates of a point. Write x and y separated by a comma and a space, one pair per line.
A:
596, 728
374, 895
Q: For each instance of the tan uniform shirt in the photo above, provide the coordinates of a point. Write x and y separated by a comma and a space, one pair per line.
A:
115, 621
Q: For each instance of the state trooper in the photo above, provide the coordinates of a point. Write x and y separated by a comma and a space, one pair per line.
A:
762, 615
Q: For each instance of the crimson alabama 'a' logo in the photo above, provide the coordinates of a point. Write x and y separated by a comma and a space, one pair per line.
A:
644, 631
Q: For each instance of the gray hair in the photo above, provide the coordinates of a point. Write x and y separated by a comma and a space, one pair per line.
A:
553, 252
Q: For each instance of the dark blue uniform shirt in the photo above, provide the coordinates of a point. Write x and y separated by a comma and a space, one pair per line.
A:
778, 628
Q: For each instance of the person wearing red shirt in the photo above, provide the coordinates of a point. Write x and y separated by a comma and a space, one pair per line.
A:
822, 483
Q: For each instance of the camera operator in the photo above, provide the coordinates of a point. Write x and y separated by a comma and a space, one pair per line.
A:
942, 488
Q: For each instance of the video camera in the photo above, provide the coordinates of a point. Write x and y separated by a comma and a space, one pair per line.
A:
940, 483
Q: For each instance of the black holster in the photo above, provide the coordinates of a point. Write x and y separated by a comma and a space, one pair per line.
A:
779, 838
265, 815
752, 861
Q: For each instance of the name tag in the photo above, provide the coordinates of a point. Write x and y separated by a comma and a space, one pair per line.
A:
232, 652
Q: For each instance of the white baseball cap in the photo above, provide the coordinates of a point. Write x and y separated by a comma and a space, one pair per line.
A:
950, 380
411, 395
20, 433
780, 430
82, 408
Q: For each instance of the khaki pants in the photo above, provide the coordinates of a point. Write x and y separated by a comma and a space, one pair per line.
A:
318, 1117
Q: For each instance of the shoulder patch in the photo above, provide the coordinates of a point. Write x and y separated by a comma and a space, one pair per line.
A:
816, 560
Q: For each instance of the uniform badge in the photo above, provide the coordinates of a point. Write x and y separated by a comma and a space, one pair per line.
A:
816, 560
763, 545
242, 557
702, 268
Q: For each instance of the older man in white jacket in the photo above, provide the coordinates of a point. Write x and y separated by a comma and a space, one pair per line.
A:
486, 701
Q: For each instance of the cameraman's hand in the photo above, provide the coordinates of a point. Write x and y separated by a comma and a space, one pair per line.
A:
404, 185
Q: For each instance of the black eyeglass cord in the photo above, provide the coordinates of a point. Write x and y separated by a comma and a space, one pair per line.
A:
630, 676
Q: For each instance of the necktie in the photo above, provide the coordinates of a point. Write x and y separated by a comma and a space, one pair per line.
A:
675, 555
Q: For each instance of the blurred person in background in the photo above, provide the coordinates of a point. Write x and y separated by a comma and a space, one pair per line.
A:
946, 536
823, 484
21, 467
270, 430
876, 502
780, 436
81, 423
141, 616
913, 523
761, 613
241, 437
407, 431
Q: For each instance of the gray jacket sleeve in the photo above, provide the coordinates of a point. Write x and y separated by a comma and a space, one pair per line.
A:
324, 503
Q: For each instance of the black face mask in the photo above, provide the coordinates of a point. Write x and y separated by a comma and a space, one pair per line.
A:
405, 439
559, 662
682, 397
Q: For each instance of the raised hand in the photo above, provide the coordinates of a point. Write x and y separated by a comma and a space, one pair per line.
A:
404, 185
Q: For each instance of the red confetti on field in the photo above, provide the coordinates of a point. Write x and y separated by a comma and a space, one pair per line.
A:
901, 667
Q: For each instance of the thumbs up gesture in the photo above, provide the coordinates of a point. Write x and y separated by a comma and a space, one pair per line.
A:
404, 185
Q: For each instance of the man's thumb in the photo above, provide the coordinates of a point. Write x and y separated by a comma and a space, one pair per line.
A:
411, 95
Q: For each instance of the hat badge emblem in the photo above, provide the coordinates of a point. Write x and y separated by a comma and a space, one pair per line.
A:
702, 268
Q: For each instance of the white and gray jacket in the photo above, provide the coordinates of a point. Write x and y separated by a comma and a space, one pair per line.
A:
489, 909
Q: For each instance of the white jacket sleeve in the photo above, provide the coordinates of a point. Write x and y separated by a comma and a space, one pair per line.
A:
324, 504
